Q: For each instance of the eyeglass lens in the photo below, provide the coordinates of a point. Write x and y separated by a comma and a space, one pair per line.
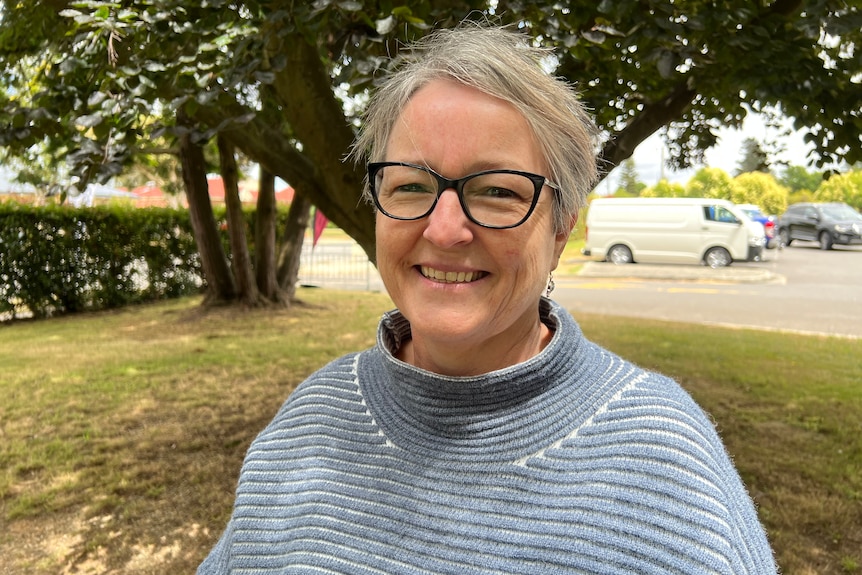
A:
496, 199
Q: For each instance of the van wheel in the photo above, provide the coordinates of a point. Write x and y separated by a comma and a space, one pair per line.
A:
717, 258
825, 240
620, 254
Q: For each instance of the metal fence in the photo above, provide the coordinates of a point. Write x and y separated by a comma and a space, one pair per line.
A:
340, 265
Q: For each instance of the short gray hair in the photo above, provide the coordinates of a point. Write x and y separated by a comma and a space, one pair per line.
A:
502, 63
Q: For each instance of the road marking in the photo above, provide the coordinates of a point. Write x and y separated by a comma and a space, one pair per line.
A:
614, 286
597, 285
694, 290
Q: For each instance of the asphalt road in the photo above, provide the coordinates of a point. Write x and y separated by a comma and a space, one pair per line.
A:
799, 289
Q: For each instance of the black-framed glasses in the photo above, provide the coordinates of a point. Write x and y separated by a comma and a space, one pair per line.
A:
497, 199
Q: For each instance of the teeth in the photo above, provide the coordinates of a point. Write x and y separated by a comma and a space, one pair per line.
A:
450, 277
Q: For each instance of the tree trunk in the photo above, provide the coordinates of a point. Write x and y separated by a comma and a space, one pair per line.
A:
242, 269
220, 284
316, 118
265, 237
291, 250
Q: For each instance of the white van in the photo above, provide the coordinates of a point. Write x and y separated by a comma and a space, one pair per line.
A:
671, 230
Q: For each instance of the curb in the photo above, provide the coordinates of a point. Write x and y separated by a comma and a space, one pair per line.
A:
679, 272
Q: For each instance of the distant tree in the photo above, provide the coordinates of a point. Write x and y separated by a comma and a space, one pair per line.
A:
845, 188
798, 178
630, 185
710, 183
754, 159
800, 196
760, 189
664, 189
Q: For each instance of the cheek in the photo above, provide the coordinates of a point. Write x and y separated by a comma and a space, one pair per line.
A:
532, 253
395, 239
385, 233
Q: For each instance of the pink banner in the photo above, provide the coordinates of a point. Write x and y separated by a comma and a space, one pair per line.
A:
320, 222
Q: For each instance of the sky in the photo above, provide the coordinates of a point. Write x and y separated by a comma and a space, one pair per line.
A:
5, 177
726, 155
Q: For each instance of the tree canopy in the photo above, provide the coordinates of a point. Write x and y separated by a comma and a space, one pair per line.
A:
845, 188
761, 189
94, 83
710, 183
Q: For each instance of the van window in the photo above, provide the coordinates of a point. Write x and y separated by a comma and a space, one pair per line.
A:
719, 214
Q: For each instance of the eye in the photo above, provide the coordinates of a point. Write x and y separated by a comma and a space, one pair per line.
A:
495, 192
414, 188
406, 180
499, 187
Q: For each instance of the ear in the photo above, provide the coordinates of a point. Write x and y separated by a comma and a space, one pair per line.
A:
561, 239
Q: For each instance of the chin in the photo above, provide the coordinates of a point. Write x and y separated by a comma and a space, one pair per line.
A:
451, 324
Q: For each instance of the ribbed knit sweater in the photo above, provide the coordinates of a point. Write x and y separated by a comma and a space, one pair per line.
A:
574, 461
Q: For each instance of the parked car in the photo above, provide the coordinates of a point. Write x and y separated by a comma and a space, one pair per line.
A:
671, 230
827, 223
755, 213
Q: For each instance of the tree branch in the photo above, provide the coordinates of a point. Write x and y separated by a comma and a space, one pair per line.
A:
304, 90
651, 118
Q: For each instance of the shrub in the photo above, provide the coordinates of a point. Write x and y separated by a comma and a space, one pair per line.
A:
58, 259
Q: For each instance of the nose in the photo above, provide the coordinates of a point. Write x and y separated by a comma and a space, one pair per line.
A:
447, 225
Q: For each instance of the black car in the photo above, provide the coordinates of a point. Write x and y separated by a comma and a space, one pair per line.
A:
826, 223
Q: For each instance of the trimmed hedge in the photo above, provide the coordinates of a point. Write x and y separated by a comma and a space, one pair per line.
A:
59, 259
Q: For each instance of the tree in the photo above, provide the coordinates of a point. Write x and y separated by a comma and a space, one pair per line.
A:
754, 159
760, 189
664, 189
710, 183
845, 188
630, 185
221, 284
284, 81
798, 178
265, 239
246, 281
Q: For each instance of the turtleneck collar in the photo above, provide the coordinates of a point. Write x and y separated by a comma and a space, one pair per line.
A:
508, 413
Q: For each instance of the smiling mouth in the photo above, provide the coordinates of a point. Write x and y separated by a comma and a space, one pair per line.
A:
451, 277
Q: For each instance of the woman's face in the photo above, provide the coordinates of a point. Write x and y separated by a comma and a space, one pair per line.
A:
470, 293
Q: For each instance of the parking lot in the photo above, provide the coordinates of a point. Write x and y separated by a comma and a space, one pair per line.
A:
799, 288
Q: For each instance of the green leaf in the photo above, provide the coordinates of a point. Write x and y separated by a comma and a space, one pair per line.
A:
89, 120
385, 26
350, 6
594, 36
96, 98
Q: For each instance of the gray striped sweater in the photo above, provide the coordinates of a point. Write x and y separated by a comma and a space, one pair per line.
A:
575, 461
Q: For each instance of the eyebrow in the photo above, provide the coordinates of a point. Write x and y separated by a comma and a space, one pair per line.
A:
474, 168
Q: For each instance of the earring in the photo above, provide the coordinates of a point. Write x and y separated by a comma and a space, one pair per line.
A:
550, 287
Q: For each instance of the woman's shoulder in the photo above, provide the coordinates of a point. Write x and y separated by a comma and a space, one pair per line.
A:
338, 374
644, 396
330, 392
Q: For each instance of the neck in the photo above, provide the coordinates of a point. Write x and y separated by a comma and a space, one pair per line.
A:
458, 360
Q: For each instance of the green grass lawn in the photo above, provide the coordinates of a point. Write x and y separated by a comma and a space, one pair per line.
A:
122, 433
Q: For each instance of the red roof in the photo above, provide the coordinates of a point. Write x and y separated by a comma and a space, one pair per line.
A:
152, 195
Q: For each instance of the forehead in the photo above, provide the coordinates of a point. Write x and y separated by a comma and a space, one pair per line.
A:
448, 123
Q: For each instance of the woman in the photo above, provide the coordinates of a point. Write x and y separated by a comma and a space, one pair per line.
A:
483, 433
